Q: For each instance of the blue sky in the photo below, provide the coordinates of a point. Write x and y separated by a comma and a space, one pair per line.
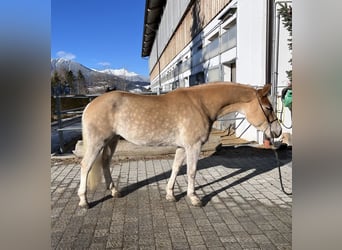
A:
99, 34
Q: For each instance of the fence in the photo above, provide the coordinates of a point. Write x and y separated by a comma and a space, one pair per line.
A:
68, 119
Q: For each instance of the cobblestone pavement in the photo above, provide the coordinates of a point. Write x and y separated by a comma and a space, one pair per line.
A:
243, 205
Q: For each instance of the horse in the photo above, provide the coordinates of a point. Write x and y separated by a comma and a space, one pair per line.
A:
182, 118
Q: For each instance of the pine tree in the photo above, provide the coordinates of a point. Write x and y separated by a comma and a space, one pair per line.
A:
55, 79
81, 82
70, 78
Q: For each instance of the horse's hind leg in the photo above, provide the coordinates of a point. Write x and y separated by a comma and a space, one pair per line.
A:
108, 152
177, 163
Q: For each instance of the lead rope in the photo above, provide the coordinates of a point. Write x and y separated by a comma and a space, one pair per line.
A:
278, 164
279, 171
275, 151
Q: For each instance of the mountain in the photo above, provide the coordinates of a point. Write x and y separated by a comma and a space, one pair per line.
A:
60, 64
98, 81
123, 73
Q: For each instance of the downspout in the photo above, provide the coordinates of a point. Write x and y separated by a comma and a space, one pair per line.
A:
269, 48
269, 58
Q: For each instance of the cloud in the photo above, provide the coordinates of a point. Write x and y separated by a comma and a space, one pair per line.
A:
65, 55
104, 64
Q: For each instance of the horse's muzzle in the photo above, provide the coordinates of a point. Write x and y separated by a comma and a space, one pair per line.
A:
276, 129
276, 134
273, 130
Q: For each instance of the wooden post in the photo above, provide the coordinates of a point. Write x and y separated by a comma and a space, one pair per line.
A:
59, 118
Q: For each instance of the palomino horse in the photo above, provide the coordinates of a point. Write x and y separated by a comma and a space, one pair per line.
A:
182, 118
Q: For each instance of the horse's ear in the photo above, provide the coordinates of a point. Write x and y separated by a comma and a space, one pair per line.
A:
265, 90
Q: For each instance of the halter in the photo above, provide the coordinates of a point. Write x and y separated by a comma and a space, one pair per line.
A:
268, 120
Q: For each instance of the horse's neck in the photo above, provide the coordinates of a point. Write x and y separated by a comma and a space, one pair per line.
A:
226, 98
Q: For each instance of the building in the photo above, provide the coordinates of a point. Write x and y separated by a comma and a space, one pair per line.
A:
190, 42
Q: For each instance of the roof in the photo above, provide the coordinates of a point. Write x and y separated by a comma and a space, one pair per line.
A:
153, 12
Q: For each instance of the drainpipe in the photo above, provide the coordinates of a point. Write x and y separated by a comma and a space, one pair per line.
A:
272, 47
269, 44
269, 57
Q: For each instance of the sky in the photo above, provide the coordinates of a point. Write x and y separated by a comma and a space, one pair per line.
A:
100, 34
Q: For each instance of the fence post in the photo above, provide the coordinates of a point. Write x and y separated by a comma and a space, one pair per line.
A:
59, 118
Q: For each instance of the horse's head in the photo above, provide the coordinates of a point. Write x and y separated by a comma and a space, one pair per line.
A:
260, 113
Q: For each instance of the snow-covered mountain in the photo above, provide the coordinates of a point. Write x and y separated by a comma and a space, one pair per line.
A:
64, 64
123, 73
119, 79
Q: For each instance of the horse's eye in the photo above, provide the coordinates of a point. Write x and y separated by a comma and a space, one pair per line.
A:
269, 108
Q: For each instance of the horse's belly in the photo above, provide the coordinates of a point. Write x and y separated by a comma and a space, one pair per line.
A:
150, 137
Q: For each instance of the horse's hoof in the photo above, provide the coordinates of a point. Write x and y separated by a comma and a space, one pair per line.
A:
195, 201
170, 197
197, 204
83, 205
116, 194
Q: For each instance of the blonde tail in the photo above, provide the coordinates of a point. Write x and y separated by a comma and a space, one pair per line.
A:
95, 174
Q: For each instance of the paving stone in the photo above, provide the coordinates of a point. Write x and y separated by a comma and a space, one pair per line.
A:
232, 246
260, 239
114, 241
250, 227
245, 240
199, 247
195, 240
221, 229
243, 206
211, 239
276, 237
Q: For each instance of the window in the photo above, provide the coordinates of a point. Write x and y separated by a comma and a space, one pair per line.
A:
213, 37
197, 78
214, 74
229, 71
229, 36
230, 25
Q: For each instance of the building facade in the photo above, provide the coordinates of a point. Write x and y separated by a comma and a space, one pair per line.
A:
191, 42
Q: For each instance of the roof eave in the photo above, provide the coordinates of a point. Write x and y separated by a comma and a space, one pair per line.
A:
153, 12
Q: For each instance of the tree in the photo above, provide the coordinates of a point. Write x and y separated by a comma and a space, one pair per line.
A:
55, 79
285, 12
70, 78
81, 82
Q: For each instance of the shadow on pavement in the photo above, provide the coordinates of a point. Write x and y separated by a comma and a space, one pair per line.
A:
242, 158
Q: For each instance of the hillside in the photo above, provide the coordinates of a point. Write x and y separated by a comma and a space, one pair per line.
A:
94, 81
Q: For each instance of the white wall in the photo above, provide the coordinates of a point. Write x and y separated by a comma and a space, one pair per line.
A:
251, 52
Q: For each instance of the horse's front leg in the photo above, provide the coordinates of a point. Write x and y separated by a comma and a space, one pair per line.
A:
177, 163
192, 154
